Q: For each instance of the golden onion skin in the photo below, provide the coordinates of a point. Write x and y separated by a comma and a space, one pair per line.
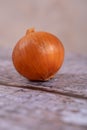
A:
38, 55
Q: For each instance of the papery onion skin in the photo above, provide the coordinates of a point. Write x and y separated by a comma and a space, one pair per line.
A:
38, 55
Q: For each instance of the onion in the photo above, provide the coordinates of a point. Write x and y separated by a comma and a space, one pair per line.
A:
38, 55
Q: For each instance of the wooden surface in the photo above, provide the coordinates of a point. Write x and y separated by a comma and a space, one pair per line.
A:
58, 104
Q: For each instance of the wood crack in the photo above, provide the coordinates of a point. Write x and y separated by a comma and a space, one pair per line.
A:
45, 89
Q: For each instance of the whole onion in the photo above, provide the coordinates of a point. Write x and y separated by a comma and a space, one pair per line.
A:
38, 55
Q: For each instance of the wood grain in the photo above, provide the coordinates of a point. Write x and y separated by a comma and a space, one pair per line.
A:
25, 109
58, 104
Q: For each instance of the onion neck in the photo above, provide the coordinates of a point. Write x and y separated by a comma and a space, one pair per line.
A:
31, 30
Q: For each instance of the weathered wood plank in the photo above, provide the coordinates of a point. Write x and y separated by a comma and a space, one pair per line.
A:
25, 109
71, 79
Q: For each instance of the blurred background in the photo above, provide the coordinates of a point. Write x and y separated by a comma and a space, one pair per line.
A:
66, 19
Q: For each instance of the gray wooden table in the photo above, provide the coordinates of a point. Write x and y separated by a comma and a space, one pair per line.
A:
58, 104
